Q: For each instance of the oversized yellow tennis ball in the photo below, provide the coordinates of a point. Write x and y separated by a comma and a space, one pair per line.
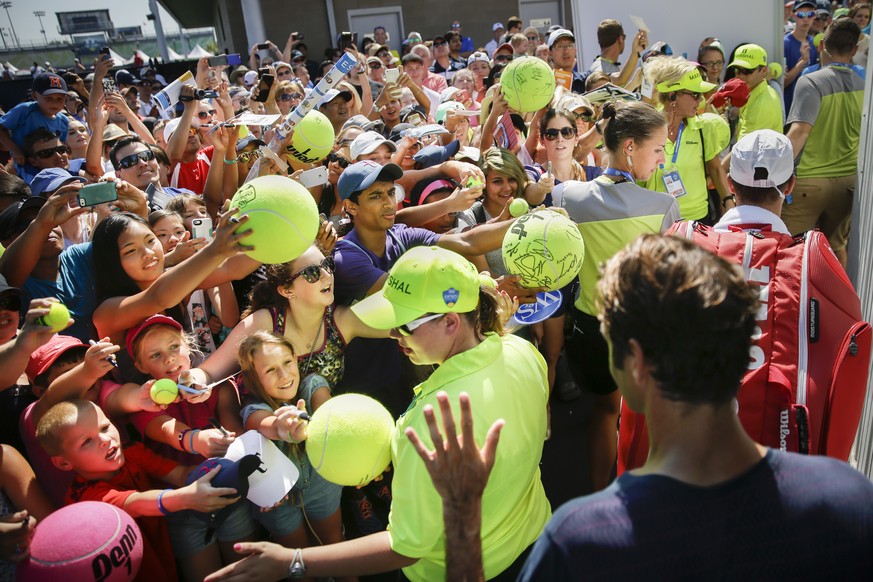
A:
312, 139
282, 215
57, 317
518, 207
164, 391
545, 248
527, 84
349, 440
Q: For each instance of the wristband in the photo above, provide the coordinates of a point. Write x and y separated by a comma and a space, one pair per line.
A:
297, 569
732, 198
229, 162
182, 439
161, 507
191, 440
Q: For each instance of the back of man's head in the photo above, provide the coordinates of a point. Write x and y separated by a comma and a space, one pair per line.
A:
761, 167
608, 32
691, 312
842, 36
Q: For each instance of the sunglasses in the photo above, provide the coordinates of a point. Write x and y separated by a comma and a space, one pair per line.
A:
533, 38
133, 159
805, 14
205, 114
375, 66
740, 71
290, 96
440, 44
10, 302
343, 163
245, 157
408, 329
502, 58
46, 154
696, 96
382, 54
312, 273
565, 132
585, 116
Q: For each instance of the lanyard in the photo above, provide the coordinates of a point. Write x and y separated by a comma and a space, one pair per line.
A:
678, 142
841, 65
613, 172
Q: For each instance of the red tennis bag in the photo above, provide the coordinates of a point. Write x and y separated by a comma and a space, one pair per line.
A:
807, 377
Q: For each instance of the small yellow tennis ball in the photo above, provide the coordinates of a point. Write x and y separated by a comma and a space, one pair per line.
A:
472, 182
518, 207
164, 391
57, 318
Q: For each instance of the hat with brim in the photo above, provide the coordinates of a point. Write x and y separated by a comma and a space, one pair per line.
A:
50, 179
434, 155
137, 330
424, 280
750, 57
242, 143
690, 81
11, 221
113, 133
332, 94
361, 175
559, 34
237, 73
762, 159
47, 354
368, 142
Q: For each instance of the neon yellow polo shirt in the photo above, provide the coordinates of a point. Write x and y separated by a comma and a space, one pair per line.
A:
505, 378
703, 138
763, 110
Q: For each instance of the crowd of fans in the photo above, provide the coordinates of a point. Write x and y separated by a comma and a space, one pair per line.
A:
427, 152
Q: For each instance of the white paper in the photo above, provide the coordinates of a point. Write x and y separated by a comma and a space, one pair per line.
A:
277, 474
169, 95
640, 23
255, 119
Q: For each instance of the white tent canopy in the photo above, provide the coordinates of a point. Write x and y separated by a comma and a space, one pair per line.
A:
174, 56
119, 60
144, 58
199, 52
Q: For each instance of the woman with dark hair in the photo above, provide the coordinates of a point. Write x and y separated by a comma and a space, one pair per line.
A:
611, 211
130, 280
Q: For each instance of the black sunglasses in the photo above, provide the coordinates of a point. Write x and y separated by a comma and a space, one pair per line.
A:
133, 159
565, 132
312, 273
46, 154
246, 156
290, 96
10, 302
335, 159
692, 94
440, 44
502, 58
375, 66
205, 114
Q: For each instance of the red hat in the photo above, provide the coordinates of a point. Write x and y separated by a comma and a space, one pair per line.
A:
736, 90
44, 356
135, 332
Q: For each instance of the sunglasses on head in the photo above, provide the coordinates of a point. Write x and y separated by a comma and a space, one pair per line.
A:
312, 273
10, 302
339, 160
46, 154
133, 159
246, 156
805, 14
409, 328
565, 132
205, 114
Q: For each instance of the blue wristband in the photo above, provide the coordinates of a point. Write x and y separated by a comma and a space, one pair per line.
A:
191, 440
161, 507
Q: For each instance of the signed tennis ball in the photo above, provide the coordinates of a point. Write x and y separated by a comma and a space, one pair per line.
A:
164, 391
518, 207
545, 248
57, 317
527, 84
312, 139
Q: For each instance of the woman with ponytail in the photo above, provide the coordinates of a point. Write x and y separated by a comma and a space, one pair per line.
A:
436, 306
611, 211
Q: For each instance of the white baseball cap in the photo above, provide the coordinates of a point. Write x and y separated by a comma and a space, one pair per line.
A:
367, 142
497, 26
762, 159
478, 56
249, 78
560, 33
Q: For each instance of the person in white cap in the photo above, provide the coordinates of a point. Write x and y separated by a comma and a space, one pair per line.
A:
497, 30
335, 105
371, 145
562, 46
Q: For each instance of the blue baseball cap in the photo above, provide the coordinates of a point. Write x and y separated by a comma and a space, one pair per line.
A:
50, 179
361, 175
233, 474
434, 155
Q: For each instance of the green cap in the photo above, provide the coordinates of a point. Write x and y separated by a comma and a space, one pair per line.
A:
749, 56
424, 280
690, 81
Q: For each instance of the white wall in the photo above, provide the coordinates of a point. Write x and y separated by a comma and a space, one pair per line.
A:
683, 24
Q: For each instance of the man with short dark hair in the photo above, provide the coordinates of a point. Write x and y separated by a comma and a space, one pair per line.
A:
611, 38
825, 130
467, 46
44, 150
709, 503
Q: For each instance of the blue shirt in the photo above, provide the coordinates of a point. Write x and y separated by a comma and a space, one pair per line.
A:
467, 45
792, 56
860, 71
24, 119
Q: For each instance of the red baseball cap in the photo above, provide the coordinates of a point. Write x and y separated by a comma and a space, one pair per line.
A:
44, 356
135, 332
735, 89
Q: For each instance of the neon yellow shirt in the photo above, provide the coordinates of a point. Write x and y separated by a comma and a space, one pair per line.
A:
715, 134
505, 378
763, 110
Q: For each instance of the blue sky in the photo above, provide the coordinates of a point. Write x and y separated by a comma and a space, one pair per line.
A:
127, 13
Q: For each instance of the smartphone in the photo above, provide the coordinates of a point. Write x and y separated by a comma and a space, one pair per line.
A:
297, 35
109, 85
264, 85
231, 60
104, 54
348, 40
391, 75
314, 177
201, 228
95, 194
263, 46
